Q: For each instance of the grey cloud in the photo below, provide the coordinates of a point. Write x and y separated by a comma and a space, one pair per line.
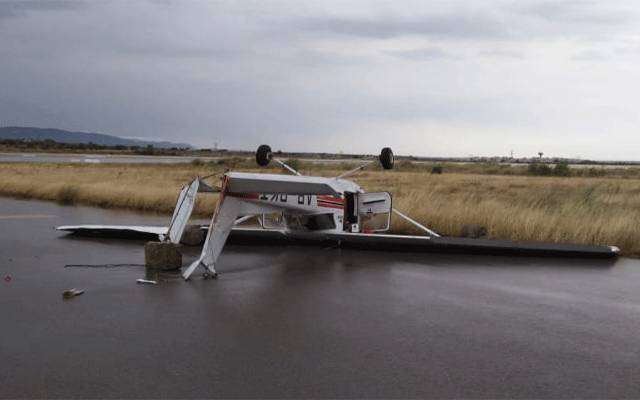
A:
451, 26
589, 55
18, 8
510, 54
323, 59
521, 21
575, 11
628, 50
423, 54
181, 51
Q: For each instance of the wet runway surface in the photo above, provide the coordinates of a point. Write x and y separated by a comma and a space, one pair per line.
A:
306, 322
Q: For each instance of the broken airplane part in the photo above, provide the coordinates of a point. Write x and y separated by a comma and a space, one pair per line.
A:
311, 208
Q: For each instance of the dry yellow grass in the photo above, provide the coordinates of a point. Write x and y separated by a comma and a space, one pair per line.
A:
139, 187
576, 210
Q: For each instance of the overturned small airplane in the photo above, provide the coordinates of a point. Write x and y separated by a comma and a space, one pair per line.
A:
310, 208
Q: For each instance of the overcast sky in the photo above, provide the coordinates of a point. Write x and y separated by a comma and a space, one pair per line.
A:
424, 77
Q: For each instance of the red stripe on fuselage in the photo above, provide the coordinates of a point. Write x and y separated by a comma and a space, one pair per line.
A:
331, 198
329, 205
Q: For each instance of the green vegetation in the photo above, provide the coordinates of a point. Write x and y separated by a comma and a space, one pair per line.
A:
539, 169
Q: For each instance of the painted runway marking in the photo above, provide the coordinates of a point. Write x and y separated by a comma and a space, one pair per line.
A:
26, 216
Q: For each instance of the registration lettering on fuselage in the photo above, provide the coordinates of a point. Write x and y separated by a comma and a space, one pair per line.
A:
302, 199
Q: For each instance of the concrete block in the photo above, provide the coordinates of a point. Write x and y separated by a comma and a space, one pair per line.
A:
193, 236
162, 256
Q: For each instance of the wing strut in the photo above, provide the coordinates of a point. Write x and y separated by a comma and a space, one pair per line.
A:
285, 166
184, 209
415, 223
353, 171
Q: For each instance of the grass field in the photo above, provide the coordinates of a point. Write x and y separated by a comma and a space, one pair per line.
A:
590, 210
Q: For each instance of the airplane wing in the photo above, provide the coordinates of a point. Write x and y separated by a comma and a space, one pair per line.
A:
241, 233
458, 245
124, 231
377, 241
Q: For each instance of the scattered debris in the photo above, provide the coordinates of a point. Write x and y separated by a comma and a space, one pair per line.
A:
146, 281
67, 294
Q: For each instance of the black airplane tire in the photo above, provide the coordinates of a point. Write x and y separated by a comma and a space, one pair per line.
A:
386, 158
263, 155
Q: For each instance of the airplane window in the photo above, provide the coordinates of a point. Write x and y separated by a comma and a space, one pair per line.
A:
272, 221
375, 222
310, 222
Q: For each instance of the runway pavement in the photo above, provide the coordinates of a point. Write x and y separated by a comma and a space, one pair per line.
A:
305, 321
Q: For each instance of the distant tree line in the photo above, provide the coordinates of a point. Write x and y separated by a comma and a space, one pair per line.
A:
52, 145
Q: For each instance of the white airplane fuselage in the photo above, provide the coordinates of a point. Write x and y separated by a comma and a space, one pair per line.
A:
342, 207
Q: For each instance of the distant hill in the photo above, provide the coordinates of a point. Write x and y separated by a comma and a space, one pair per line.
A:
62, 136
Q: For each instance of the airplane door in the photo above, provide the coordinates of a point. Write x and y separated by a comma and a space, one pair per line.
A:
374, 212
